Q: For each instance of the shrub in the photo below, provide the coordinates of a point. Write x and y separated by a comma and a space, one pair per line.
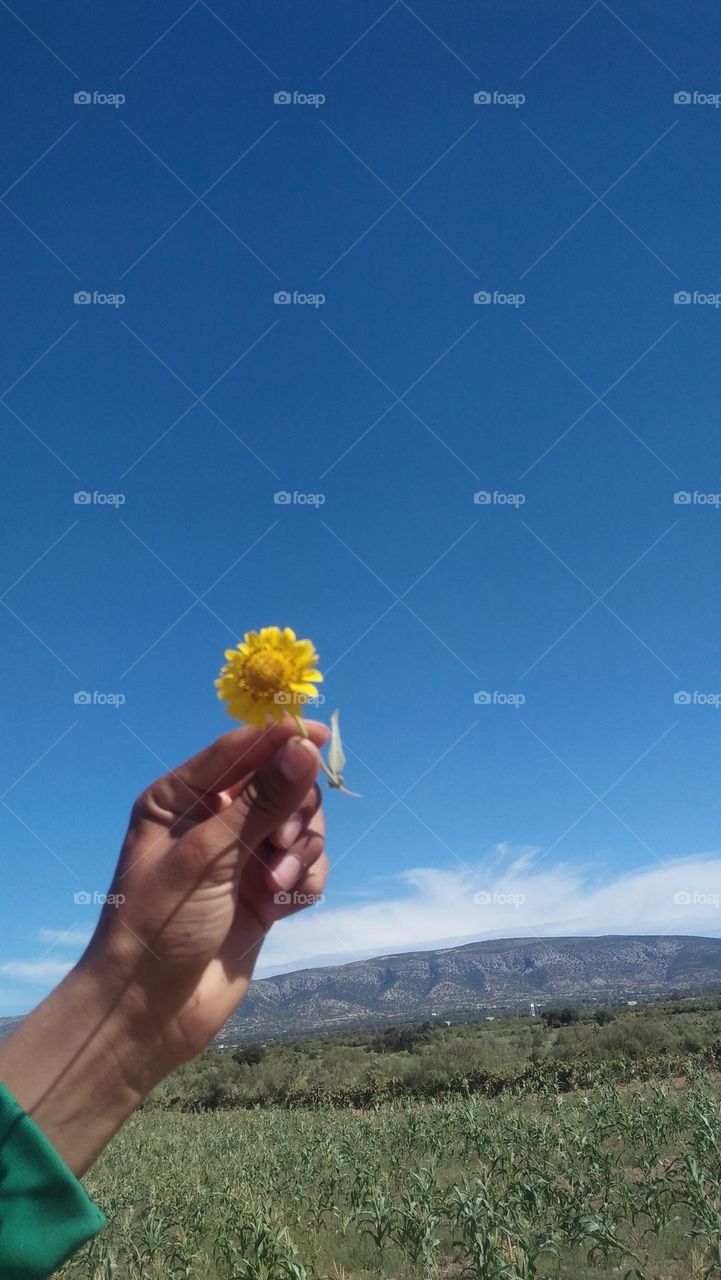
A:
560, 1017
602, 1016
248, 1055
402, 1039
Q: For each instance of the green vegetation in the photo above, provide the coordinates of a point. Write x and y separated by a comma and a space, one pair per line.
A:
615, 1180
562, 1048
623, 1183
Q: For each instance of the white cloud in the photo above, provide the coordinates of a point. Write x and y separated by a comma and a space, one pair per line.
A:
72, 937
426, 907
432, 907
41, 973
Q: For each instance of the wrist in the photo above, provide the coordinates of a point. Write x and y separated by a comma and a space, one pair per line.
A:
76, 1067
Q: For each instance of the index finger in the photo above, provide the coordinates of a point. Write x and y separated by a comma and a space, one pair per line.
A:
242, 751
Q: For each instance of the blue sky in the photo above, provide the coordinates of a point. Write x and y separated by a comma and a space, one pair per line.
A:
578, 599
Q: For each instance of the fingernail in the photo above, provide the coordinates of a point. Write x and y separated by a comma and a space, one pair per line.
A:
292, 762
288, 833
287, 872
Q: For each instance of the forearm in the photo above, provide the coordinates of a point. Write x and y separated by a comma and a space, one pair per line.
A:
165, 971
76, 1067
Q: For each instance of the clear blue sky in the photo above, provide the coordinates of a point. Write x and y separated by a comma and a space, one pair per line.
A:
397, 398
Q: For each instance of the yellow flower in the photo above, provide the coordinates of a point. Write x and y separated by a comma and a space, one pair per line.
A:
268, 675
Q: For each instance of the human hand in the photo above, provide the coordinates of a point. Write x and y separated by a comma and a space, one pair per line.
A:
213, 852
216, 852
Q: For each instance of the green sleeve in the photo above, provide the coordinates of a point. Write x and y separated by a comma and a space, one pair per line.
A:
45, 1213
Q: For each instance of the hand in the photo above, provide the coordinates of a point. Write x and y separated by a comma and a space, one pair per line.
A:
209, 848
213, 852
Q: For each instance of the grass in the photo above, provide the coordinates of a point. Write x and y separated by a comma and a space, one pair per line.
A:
607, 1183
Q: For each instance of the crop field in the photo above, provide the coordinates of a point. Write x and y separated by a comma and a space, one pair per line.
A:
622, 1182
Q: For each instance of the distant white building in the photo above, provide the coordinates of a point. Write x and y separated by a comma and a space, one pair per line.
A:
631, 1002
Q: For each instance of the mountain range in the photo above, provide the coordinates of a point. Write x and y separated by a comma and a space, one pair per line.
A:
472, 981
475, 980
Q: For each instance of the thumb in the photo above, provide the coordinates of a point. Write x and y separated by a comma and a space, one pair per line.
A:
273, 793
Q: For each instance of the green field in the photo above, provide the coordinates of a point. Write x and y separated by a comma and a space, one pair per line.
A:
563, 1048
620, 1179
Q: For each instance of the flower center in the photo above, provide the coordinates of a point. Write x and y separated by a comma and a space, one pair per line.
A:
265, 673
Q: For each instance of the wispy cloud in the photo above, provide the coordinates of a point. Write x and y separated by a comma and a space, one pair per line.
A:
41, 973
509, 896
511, 893
75, 936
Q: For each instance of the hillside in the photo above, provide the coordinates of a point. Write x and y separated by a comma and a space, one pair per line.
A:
473, 980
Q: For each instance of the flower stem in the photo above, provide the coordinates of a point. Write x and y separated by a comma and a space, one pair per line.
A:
328, 772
